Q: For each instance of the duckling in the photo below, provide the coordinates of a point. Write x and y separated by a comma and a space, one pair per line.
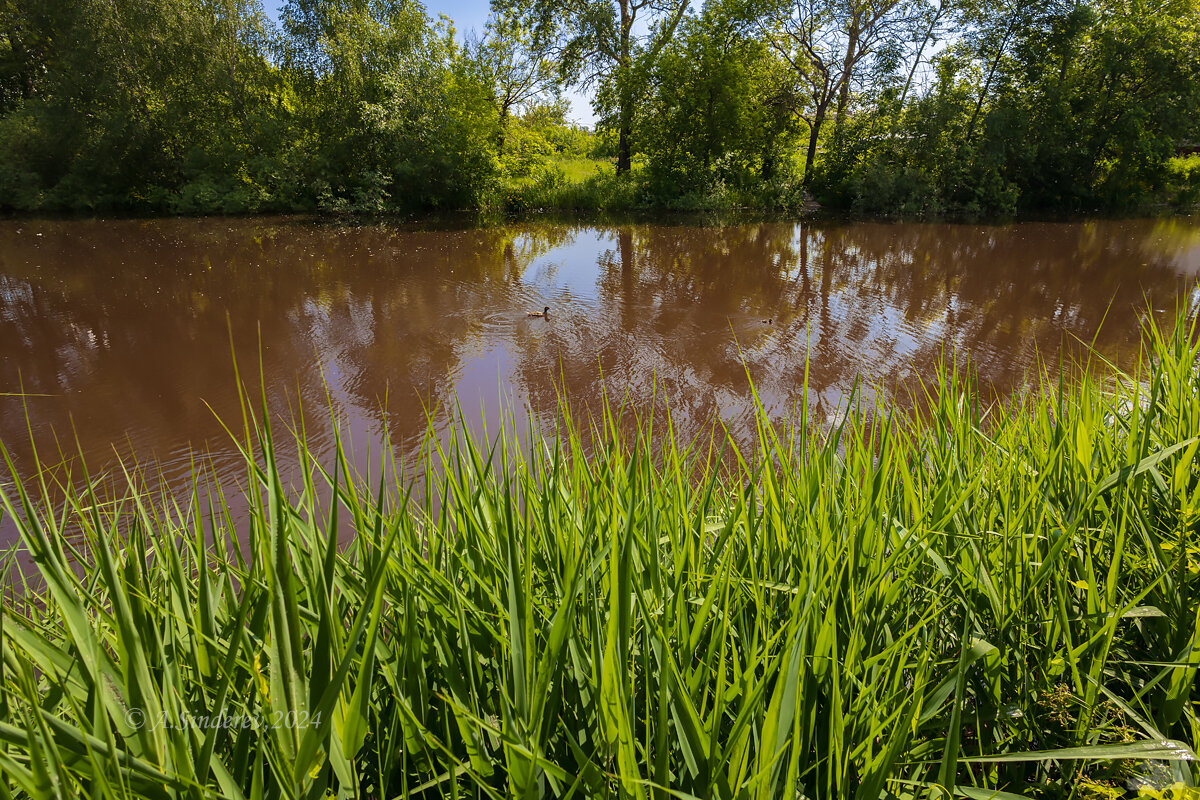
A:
545, 312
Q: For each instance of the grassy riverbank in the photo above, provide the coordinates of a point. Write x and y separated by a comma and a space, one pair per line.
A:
977, 597
592, 184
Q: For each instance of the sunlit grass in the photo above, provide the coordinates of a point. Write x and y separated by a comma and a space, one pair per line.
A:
575, 184
975, 597
576, 169
1184, 176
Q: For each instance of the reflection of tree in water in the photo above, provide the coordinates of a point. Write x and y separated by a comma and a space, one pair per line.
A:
683, 307
128, 325
996, 294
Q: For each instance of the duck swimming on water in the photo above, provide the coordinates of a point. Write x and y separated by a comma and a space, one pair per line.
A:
545, 312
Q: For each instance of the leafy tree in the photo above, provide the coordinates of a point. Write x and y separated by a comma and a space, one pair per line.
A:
114, 99
516, 71
340, 57
1059, 105
540, 133
990, 30
829, 42
1101, 95
23, 50
961, 106
435, 128
550, 119
607, 45
724, 108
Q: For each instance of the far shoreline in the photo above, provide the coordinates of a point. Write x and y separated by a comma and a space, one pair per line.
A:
718, 217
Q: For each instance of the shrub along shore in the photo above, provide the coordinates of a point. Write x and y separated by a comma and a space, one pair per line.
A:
923, 108
987, 598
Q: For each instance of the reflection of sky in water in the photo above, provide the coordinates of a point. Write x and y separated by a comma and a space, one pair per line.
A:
128, 328
568, 272
1187, 253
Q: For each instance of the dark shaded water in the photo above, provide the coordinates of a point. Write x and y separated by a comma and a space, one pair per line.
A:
122, 334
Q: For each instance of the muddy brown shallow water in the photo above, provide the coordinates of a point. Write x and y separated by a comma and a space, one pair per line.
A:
118, 338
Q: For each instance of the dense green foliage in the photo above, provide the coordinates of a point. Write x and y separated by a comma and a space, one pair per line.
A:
723, 116
1061, 106
884, 106
196, 106
971, 595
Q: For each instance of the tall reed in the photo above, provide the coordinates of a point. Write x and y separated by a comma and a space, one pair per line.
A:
968, 601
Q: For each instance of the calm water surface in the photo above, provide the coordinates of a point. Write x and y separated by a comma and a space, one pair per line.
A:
122, 334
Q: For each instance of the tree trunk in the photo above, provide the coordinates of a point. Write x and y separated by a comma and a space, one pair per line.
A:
814, 133
624, 151
844, 89
920, 52
500, 134
987, 84
625, 111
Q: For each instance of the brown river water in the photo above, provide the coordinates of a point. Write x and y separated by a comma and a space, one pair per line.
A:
118, 337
